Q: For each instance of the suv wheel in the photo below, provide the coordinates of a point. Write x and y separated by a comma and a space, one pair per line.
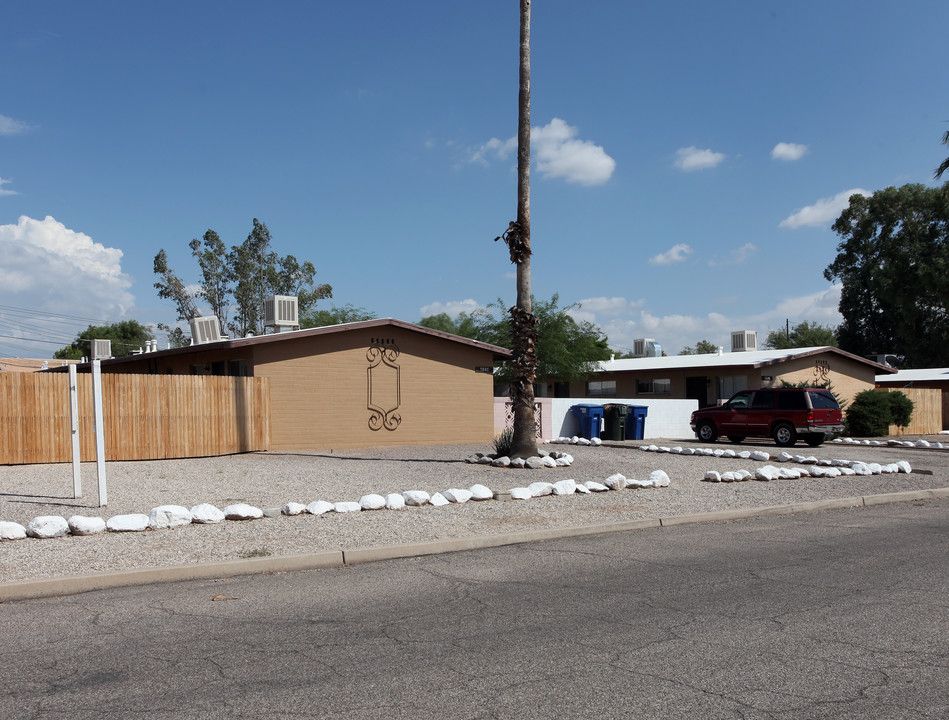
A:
784, 434
814, 439
706, 431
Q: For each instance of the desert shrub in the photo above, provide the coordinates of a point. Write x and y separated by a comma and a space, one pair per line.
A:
504, 441
869, 414
901, 408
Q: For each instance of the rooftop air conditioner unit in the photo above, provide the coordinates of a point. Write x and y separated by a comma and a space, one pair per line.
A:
646, 347
744, 341
101, 349
281, 312
205, 329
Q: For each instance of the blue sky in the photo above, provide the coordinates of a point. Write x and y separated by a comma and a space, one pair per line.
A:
688, 158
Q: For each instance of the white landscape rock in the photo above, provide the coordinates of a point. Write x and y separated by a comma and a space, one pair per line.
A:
520, 493
372, 501
293, 508
713, 476
438, 500
540, 488
860, 468
503, 461
481, 492
594, 486
82, 525
760, 455
534, 463
318, 507
243, 511
457, 495
565, 487
767, 472
784, 457
745, 454
206, 514
659, 478
168, 516
47, 526
728, 453
875, 468
582, 489
518, 463
395, 501
132, 522
347, 506
617, 481
11, 531
416, 498
904, 466
731, 476
548, 462
744, 474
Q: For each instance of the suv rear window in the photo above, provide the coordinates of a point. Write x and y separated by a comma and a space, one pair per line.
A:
791, 401
823, 401
763, 400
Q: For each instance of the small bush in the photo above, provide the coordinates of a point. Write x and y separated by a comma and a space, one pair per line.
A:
901, 408
871, 413
504, 442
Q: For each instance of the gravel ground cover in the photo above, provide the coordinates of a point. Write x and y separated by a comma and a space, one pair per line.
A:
270, 480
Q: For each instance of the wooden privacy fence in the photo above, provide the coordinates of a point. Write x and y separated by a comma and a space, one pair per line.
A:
927, 411
146, 417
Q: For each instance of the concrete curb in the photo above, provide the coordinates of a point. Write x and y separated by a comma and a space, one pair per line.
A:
75, 584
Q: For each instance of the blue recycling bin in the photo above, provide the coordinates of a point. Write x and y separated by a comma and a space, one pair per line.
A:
590, 417
636, 422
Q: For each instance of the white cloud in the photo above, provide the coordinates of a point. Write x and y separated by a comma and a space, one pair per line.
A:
48, 267
561, 155
788, 151
624, 321
9, 126
676, 254
691, 158
558, 154
737, 256
451, 308
3, 192
824, 211
495, 149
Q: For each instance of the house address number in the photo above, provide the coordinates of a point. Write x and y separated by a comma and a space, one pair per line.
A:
485, 369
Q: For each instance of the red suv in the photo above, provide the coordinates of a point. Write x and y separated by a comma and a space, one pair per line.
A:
785, 414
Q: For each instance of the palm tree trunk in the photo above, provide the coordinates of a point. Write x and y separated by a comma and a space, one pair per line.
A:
523, 330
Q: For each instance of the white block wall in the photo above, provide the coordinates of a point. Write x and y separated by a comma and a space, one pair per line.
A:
664, 419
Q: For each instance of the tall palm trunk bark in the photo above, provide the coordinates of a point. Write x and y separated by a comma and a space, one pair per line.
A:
523, 330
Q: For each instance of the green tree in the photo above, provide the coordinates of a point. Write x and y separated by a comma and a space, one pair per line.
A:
804, 334
702, 347
126, 336
945, 163
893, 266
466, 325
215, 275
335, 316
567, 350
239, 279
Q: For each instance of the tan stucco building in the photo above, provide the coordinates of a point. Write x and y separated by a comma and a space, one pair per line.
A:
713, 378
365, 384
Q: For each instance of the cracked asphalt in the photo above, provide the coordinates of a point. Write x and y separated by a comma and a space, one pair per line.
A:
838, 614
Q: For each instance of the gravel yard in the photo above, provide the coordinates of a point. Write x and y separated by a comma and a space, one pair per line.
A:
270, 480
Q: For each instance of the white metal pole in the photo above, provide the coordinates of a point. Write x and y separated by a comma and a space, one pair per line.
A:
74, 429
100, 431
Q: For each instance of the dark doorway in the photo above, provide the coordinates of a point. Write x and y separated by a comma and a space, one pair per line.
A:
696, 388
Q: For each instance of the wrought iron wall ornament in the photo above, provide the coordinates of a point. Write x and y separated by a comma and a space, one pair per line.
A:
384, 391
514, 238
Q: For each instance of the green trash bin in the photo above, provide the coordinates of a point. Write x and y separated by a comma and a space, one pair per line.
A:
614, 419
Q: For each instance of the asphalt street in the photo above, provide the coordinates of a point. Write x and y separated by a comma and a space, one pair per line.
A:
838, 614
